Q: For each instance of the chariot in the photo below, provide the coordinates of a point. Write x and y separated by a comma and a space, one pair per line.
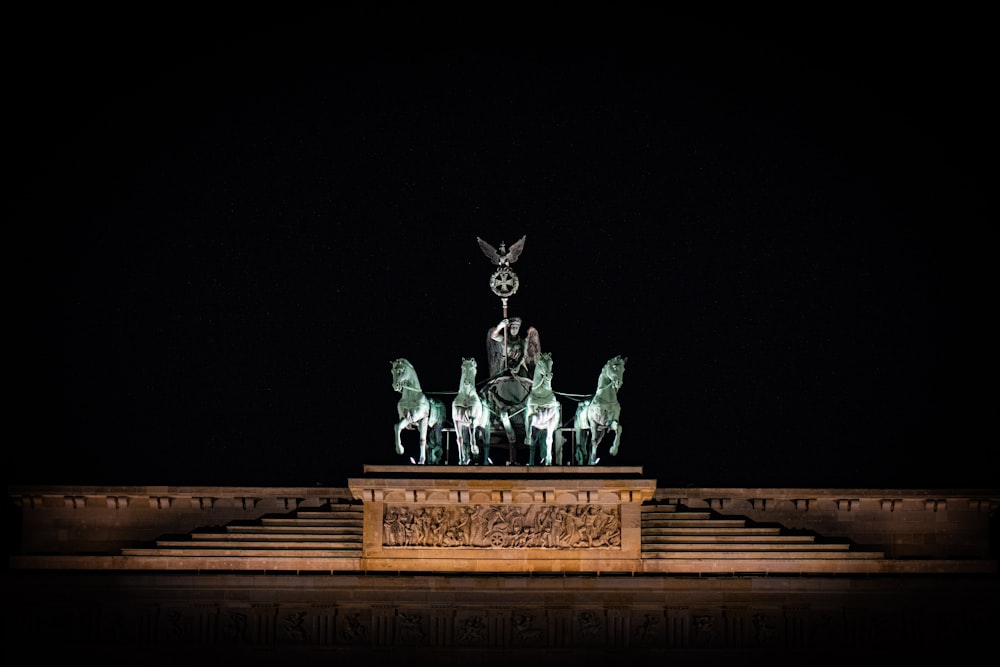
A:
516, 405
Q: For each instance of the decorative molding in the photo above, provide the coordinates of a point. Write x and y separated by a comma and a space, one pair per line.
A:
983, 504
935, 504
75, 502
29, 501
848, 504
117, 502
248, 503
891, 504
289, 503
203, 502
717, 503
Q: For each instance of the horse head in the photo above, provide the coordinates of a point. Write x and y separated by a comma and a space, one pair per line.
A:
614, 371
469, 370
402, 375
543, 370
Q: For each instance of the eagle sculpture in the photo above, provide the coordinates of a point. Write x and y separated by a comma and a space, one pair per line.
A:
504, 257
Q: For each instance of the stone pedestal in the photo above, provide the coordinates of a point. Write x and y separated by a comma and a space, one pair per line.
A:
530, 519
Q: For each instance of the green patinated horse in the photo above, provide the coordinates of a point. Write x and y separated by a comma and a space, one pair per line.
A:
597, 415
417, 411
543, 414
470, 416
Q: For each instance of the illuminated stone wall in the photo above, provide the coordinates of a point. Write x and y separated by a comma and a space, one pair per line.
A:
579, 620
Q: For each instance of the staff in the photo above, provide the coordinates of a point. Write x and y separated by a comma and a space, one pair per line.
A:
503, 282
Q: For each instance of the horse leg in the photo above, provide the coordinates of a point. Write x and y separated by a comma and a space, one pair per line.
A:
435, 446
464, 434
487, 434
436, 452
475, 427
470, 443
547, 460
581, 431
618, 436
511, 438
530, 437
557, 434
458, 440
423, 441
399, 442
508, 427
579, 445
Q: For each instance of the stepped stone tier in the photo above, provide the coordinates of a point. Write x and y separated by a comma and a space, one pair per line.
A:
473, 519
576, 566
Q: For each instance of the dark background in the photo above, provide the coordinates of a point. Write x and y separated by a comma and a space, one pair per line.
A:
224, 231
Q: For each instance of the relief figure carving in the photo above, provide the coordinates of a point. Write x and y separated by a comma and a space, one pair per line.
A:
502, 526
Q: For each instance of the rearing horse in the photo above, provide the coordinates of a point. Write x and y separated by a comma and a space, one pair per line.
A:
597, 415
416, 410
543, 411
470, 416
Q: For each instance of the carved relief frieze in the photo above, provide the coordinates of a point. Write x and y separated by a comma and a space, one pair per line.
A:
705, 629
648, 627
487, 623
766, 628
527, 628
472, 629
293, 627
590, 627
189, 624
235, 626
411, 627
354, 626
507, 526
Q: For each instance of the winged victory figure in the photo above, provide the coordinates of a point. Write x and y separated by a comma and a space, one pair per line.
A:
505, 257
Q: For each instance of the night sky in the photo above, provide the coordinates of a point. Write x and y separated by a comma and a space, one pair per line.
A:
223, 235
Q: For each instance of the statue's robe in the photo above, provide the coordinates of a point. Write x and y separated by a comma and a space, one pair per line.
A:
510, 376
